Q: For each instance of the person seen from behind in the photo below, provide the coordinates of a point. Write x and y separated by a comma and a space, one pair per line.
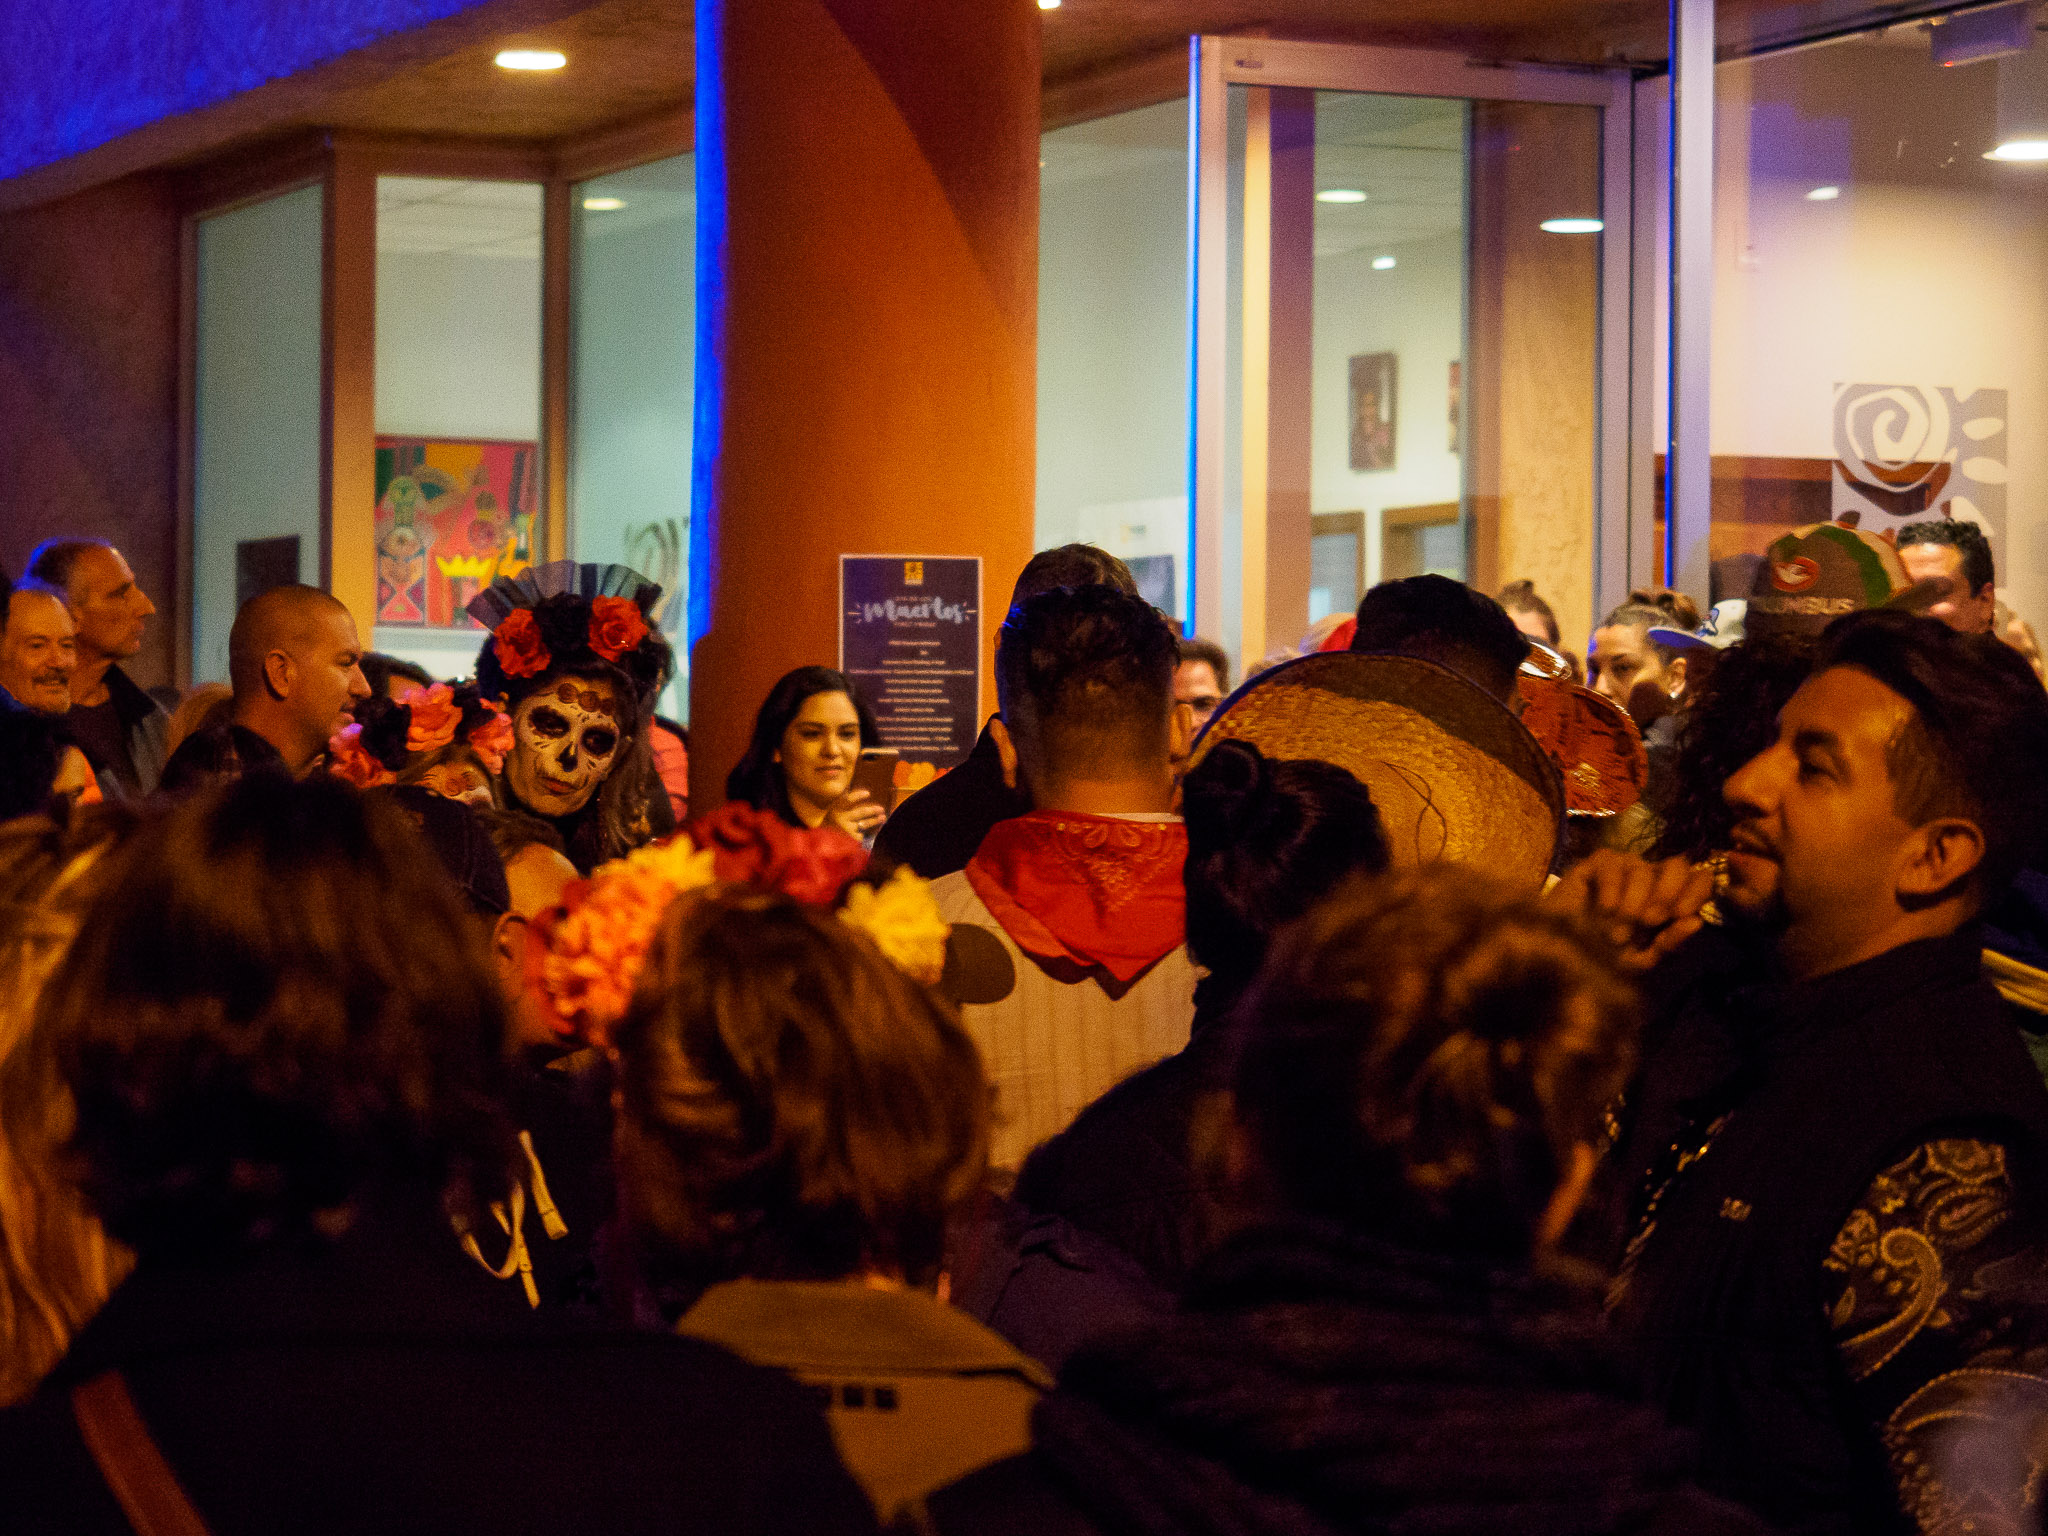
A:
57, 1264
797, 1120
807, 741
1267, 839
1391, 1340
1432, 618
937, 830
1071, 921
287, 1057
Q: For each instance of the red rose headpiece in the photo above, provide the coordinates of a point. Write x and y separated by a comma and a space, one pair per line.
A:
566, 618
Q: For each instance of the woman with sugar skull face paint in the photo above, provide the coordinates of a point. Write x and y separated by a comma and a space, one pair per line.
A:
577, 663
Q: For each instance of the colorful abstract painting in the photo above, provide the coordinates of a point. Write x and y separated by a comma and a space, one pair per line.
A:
452, 517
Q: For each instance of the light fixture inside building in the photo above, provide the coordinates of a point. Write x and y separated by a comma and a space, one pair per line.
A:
1573, 226
1048, 5
1992, 32
1383, 263
603, 204
1340, 195
2022, 108
1823, 194
531, 59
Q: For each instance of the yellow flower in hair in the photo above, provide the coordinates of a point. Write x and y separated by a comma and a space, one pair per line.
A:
903, 920
596, 949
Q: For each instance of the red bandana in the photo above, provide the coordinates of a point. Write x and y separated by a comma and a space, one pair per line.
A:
1097, 890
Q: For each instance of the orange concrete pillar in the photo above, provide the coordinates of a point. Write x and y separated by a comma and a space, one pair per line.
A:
867, 273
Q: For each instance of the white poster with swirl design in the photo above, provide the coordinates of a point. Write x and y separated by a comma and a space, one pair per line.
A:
1906, 452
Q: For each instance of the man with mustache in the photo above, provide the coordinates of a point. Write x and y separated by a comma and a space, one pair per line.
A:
38, 648
1836, 1155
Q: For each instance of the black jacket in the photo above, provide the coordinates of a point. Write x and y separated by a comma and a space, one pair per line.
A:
383, 1385
1318, 1383
1764, 1111
1127, 1169
938, 829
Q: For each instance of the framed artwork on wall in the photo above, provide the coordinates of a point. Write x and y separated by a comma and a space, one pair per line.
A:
1375, 379
453, 515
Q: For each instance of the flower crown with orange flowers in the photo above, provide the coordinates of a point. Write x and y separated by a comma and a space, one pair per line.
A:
584, 957
386, 736
565, 617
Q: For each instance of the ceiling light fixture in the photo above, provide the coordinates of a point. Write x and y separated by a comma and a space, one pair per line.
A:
1383, 263
2019, 149
1823, 194
2022, 123
603, 204
1340, 195
531, 59
1048, 5
1573, 226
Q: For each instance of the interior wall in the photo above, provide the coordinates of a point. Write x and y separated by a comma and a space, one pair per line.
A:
1417, 312
1112, 336
256, 403
1929, 269
89, 388
458, 345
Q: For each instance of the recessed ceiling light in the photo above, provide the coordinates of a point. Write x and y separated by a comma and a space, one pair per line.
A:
603, 204
1048, 5
531, 59
1572, 226
2019, 149
1823, 194
1340, 195
1383, 263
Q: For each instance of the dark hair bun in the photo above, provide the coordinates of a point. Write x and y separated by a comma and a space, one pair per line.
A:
1220, 795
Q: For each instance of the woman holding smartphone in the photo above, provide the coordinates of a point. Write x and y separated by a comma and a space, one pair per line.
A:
805, 751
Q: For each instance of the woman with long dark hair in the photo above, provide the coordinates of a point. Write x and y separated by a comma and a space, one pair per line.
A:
806, 744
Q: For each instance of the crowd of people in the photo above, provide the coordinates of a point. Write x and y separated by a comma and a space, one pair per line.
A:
1410, 1091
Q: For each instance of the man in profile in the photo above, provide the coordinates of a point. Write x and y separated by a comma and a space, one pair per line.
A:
1837, 1156
939, 827
295, 664
123, 731
1077, 909
38, 649
1433, 618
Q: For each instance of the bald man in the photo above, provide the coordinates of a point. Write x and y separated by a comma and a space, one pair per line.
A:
295, 664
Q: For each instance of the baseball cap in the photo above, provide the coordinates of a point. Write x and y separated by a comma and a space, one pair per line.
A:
1723, 628
1813, 575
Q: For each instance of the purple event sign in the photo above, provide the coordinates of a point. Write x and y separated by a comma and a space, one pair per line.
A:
910, 635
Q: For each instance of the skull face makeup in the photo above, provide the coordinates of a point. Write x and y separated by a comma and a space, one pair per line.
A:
566, 737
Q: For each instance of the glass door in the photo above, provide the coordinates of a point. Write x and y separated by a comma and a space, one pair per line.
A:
1411, 282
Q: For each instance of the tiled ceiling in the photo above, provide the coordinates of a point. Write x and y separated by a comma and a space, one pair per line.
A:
1405, 153
422, 215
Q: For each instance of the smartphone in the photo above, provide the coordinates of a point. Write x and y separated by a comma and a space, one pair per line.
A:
877, 775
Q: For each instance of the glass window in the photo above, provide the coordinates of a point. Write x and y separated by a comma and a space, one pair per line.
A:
458, 406
632, 374
256, 402
1113, 343
1410, 371
1881, 300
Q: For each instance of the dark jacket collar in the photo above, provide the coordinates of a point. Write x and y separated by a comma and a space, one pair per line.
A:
1779, 1015
131, 704
397, 1274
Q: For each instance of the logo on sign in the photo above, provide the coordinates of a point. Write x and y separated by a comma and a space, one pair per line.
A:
1794, 575
913, 573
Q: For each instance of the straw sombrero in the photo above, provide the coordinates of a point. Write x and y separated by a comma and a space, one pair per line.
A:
1594, 743
1455, 776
